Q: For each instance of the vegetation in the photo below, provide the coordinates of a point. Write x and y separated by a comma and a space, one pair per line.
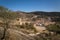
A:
27, 26
6, 14
54, 28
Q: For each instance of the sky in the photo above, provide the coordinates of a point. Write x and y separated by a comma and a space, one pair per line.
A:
31, 5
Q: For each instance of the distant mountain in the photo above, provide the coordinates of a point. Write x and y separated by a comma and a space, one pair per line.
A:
46, 13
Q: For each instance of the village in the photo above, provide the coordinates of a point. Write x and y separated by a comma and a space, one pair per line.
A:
39, 23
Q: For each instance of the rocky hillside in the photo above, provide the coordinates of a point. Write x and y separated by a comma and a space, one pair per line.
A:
25, 31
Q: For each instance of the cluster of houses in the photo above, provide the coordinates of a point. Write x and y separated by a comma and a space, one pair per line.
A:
38, 24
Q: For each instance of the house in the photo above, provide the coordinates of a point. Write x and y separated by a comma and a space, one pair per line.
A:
39, 27
20, 21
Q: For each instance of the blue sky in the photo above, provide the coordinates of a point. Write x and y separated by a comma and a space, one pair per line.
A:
31, 5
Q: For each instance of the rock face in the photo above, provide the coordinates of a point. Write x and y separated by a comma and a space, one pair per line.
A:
1, 32
13, 34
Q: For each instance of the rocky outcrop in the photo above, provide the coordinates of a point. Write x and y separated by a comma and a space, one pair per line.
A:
13, 34
1, 32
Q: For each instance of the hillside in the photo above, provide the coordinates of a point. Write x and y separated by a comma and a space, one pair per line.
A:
18, 25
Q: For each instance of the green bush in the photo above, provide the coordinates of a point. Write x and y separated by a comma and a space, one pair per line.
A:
54, 28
